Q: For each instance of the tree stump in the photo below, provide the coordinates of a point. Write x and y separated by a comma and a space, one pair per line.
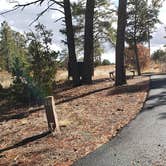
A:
51, 115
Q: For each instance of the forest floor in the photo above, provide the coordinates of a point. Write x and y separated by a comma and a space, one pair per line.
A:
89, 116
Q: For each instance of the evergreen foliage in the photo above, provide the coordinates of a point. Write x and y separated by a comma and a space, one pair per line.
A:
140, 24
104, 18
12, 45
159, 56
30, 61
141, 18
42, 58
106, 62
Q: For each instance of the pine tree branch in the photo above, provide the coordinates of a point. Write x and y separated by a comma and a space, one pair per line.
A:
41, 13
22, 6
59, 19
58, 3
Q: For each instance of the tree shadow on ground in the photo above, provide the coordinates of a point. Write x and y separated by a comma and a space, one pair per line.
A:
9, 111
68, 85
114, 90
139, 87
68, 99
90, 92
26, 141
158, 99
162, 116
158, 83
155, 101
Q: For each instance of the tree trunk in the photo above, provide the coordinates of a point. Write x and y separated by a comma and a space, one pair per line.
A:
149, 43
135, 43
120, 44
148, 31
72, 63
88, 43
137, 58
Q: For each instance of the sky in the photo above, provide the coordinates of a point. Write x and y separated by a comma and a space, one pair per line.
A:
19, 21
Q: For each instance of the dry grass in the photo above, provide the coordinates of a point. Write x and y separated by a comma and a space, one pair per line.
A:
103, 71
100, 72
5, 79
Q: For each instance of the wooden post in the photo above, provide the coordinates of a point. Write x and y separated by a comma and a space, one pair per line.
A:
52, 117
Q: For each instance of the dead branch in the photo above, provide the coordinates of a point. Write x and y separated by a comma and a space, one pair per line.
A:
40, 2
41, 13
59, 19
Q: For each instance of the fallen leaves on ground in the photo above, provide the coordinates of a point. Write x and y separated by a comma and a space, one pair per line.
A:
89, 116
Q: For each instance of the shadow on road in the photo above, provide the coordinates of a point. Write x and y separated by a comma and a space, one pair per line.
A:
162, 116
158, 99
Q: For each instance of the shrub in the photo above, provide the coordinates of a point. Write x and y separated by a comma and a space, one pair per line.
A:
159, 56
33, 82
97, 63
23, 88
106, 62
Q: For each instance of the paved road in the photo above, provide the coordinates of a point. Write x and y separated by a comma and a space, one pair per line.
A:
143, 141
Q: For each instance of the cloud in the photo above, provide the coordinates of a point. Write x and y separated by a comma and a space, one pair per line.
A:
5, 5
20, 20
110, 54
158, 36
158, 39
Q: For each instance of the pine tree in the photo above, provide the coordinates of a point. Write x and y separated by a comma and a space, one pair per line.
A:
72, 63
140, 24
104, 17
88, 42
6, 46
42, 58
12, 45
120, 69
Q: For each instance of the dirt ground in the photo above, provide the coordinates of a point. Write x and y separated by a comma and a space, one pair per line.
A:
88, 115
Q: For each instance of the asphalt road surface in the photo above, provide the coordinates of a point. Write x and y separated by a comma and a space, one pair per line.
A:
143, 141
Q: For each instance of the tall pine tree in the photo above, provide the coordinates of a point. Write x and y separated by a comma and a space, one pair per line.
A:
120, 43
140, 18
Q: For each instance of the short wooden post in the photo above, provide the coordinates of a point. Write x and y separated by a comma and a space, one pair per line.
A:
51, 115
133, 73
112, 76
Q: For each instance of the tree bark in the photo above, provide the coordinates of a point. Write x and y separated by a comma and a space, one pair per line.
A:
135, 44
120, 44
88, 43
72, 63
137, 58
148, 31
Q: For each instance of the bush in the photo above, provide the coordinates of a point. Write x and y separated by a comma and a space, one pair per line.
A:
33, 82
106, 62
97, 63
159, 56
23, 88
